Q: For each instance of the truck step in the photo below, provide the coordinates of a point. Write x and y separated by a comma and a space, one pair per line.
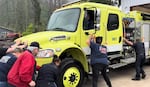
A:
114, 66
123, 62
128, 60
114, 56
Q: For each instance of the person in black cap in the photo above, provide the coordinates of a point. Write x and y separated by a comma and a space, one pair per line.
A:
47, 75
22, 72
33, 46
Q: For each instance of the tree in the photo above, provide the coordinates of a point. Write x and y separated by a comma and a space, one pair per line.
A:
37, 13
29, 30
18, 14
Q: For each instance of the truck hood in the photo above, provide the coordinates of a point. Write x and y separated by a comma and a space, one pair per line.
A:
47, 38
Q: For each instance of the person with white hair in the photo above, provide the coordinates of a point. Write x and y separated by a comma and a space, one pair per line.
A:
22, 72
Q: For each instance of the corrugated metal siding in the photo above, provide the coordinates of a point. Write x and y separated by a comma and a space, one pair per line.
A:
5, 30
126, 4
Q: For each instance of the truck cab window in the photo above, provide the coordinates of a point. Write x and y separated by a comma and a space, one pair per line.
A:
88, 22
64, 20
113, 22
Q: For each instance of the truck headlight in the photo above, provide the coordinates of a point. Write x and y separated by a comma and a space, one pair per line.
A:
45, 53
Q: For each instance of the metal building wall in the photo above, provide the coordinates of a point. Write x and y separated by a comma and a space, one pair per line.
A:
126, 4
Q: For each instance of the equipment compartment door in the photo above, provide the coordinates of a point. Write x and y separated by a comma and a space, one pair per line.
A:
114, 31
146, 35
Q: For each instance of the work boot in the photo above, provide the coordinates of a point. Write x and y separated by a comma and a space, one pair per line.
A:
143, 76
136, 78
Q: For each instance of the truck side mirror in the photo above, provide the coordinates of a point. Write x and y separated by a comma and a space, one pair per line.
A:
97, 19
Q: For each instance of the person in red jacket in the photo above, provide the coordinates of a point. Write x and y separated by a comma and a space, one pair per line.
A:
22, 72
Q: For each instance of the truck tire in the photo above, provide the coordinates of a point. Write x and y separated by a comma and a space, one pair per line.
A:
71, 74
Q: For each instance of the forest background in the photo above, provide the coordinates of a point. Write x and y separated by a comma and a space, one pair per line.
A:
26, 16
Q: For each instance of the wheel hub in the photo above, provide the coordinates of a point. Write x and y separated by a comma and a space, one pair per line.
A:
73, 77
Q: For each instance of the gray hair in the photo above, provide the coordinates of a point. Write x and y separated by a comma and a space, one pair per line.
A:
17, 49
31, 48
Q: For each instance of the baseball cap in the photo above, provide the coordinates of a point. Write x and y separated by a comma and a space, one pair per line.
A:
35, 44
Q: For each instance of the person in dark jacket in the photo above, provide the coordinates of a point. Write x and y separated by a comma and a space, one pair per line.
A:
6, 62
140, 57
99, 61
47, 75
4, 51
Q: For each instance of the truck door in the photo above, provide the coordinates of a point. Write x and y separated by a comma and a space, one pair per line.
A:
114, 31
87, 29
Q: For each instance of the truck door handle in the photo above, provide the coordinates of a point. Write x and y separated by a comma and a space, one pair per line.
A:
119, 39
87, 33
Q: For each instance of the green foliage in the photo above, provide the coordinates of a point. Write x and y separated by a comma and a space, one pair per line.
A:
29, 30
42, 27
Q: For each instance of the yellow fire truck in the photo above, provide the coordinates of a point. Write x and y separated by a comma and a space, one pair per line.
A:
67, 32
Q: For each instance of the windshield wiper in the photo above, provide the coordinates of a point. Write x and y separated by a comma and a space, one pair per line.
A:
58, 29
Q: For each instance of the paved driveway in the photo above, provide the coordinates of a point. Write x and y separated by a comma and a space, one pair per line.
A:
122, 78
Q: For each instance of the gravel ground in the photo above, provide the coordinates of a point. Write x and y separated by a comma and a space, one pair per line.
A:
122, 78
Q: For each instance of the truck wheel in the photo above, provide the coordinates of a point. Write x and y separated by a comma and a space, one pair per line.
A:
71, 74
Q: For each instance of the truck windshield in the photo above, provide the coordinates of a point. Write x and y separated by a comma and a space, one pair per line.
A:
65, 20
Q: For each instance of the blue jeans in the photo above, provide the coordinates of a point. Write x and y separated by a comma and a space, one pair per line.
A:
3, 84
